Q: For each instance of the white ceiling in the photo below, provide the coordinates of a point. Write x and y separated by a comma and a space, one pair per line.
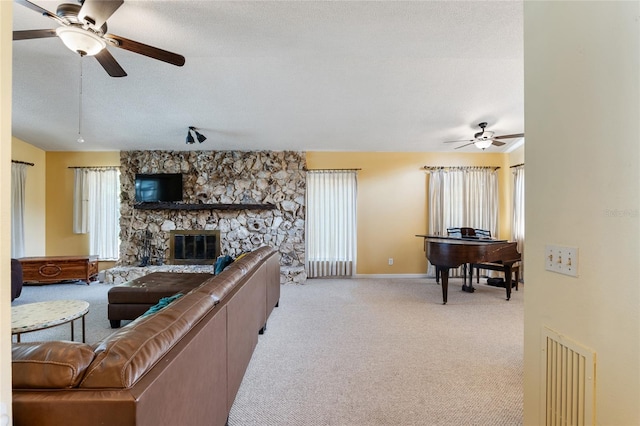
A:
280, 75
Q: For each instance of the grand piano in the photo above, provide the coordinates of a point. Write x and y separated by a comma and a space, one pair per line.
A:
450, 252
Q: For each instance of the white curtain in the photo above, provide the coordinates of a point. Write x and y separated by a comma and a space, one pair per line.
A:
331, 223
18, 184
517, 226
462, 197
97, 210
81, 201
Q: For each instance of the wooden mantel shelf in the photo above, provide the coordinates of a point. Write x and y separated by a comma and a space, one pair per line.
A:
181, 206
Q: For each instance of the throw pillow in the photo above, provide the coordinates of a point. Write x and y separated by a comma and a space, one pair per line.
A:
221, 263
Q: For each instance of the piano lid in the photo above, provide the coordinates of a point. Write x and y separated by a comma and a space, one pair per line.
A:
461, 240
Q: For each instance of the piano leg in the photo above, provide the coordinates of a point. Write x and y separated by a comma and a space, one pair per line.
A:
468, 288
507, 279
444, 274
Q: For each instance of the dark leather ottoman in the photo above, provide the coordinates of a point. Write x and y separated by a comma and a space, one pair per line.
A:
130, 300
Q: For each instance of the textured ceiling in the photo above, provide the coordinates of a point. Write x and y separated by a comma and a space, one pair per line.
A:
299, 75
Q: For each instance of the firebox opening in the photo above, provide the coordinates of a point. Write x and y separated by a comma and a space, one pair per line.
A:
194, 247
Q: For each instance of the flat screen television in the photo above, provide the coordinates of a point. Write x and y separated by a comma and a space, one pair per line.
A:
158, 187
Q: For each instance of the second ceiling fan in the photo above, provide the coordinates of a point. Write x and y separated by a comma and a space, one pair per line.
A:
83, 29
485, 138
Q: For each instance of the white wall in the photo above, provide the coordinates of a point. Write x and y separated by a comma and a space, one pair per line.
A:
6, 10
582, 153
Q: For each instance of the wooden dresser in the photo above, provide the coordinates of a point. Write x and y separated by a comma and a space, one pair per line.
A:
53, 269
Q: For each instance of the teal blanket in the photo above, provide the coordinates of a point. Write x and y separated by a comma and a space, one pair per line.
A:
162, 304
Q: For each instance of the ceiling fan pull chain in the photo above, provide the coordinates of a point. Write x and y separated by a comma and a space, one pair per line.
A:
80, 138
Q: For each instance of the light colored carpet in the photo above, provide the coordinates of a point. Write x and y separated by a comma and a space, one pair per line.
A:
365, 352
386, 352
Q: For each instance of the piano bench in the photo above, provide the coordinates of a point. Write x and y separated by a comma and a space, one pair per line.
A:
515, 269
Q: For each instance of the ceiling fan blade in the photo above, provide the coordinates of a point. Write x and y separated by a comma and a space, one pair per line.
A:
110, 64
464, 140
40, 10
497, 143
29, 34
96, 12
144, 49
462, 146
515, 135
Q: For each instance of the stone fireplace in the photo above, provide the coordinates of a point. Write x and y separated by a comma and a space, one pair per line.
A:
221, 190
190, 247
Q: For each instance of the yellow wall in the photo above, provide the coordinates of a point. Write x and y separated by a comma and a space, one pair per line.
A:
582, 92
35, 207
517, 156
392, 202
60, 240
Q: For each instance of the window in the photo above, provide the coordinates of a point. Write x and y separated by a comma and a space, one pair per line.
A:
331, 223
462, 197
97, 210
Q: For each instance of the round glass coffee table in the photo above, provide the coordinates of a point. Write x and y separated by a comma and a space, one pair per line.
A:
41, 315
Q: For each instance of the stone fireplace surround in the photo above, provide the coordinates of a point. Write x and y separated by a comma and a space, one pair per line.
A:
240, 178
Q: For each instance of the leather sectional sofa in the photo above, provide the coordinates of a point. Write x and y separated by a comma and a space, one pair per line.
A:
180, 366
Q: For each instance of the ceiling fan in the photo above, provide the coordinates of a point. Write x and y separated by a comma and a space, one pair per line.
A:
485, 138
83, 29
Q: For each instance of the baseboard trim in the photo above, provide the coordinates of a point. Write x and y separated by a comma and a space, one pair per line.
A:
391, 276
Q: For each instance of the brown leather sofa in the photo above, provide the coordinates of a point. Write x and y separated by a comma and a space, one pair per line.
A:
180, 366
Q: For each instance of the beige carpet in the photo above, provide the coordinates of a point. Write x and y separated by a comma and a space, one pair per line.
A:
386, 352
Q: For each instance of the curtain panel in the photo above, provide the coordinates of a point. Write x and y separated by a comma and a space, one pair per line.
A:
331, 223
18, 185
517, 225
80, 201
462, 197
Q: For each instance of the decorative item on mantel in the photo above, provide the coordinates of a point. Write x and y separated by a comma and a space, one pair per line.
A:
146, 249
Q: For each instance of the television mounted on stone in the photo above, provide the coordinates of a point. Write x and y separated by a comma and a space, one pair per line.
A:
158, 187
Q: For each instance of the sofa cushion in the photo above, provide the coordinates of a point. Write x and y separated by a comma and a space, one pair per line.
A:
49, 365
235, 273
125, 356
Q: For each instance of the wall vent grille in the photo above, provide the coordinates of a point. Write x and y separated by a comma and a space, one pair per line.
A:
568, 371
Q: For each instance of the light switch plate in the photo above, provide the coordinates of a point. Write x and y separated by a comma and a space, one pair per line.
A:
561, 259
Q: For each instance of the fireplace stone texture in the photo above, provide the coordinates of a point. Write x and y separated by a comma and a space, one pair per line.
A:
221, 177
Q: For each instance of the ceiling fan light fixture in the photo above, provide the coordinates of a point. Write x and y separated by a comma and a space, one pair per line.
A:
486, 135
81, 41
483, 143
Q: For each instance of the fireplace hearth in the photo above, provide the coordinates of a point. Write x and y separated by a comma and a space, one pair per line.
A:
194, 247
